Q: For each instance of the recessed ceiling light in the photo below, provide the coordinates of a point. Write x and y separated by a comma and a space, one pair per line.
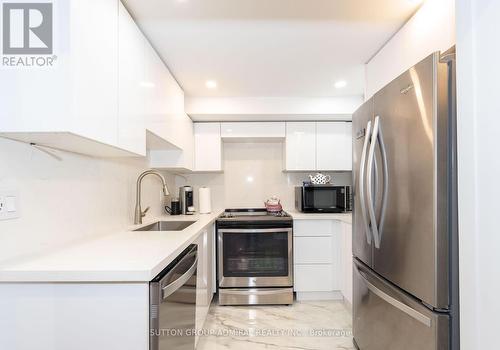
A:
211, 84
340, 84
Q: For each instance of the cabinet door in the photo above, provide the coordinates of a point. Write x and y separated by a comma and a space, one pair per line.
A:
300, 146
334, 146
75, 97
315, 278
132, 85
313, 250
253, 130
346, 249
207, 147
94, 46
204, 288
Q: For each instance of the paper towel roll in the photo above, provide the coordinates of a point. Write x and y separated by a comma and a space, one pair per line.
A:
205, 200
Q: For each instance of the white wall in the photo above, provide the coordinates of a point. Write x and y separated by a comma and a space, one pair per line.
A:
68, 200
431, 29
478, 73
252, 174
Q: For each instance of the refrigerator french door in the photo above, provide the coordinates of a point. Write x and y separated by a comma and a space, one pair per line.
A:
404, 242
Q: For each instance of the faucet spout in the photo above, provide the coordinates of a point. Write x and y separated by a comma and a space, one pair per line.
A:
139, 214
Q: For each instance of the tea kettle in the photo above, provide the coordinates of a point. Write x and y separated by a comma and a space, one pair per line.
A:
320, 179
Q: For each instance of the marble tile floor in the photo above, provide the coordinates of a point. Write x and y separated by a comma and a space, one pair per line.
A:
305, 325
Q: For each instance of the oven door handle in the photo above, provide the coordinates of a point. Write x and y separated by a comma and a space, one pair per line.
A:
258, 230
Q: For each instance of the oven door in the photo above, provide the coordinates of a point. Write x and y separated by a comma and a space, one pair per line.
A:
327, 199
255, 257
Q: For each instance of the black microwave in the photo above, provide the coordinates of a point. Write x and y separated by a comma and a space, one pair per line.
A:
323, 199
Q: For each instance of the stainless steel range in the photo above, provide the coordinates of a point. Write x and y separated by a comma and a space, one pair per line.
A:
255, 257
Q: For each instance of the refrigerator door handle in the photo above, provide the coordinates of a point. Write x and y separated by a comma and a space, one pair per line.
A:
361, 185
370, 284
399, 305
385, 170
377, 228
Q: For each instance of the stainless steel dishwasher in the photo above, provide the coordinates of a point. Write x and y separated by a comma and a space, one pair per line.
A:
173, 304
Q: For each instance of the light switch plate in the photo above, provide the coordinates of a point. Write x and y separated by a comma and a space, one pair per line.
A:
9, 204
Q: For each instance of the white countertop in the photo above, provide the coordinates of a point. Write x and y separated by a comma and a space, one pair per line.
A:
125, 256
296, 215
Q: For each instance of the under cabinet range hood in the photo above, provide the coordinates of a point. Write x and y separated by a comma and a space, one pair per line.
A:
405, 243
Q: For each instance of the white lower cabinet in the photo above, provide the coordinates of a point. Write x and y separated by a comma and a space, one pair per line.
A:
76, 316
320, 255
204, 276
346, 249
313, 250
315, 278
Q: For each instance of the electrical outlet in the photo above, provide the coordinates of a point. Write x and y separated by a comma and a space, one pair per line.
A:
9, 204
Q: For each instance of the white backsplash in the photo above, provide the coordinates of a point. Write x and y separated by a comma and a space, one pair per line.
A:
68, 200
79, 196
252, 173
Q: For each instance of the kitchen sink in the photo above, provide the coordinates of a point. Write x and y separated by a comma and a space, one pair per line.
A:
166, 226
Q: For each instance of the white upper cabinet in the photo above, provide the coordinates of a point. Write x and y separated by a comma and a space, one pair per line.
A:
253, 130
106, 88
300, 146
150, 98
318, 146
207, 147
164, 109
179, 157
334, 146
132, 84
72, 105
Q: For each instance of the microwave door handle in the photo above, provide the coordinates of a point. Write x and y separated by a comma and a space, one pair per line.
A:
361, 184
369, 184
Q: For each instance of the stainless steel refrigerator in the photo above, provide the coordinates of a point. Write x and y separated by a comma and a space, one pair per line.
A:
405, 242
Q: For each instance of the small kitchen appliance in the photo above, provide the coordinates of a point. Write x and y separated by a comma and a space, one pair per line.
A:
323, 198
186, 197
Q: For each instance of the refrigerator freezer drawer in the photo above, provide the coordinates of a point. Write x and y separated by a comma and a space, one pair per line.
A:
386, 318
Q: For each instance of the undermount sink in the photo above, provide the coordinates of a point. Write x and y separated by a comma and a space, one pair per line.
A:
166, 226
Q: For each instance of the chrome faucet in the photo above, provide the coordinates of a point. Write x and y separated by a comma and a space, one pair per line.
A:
139, 214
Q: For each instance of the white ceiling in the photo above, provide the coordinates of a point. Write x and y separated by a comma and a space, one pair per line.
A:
287, 48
